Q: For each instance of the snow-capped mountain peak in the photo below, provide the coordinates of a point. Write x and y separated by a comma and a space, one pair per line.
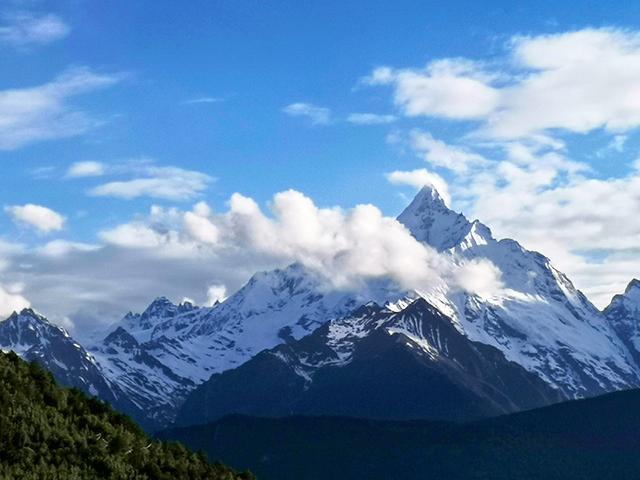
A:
432, 222
539, 319
623, 314
26, 330
632, 292
36, 339
142, 325
627, 302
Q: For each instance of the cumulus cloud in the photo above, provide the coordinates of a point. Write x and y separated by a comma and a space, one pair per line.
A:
170, 183
199, 227
370, 119
576, 81
27, 29
28, 115
41, 218
316, 115
345, 248
203, 254
86, 169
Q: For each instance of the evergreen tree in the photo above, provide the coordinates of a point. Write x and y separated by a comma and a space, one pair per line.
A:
47, 432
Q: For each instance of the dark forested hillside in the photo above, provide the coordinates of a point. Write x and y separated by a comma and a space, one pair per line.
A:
579, 440
47, 432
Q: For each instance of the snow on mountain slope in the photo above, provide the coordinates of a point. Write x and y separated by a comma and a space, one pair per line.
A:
374, 363
539, 319
623, 313
142, 325
154, 389
160, 355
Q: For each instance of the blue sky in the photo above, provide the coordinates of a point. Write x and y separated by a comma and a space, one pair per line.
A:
214, 97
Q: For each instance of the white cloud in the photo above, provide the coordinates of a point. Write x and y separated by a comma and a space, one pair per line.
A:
317, 115
216, 293
11, 301
28, 115
60, 248
28, 29
577, 81
419, 178
370, 119
440, 154
345, 248
135, 235
41, 218
170, 183
451, 88
86, 169
199, 226
479, 276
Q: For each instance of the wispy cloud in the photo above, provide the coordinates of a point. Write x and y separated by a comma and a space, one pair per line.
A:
169, 183
29, 115
370, 119
25, 29
86, 169
456, 158
198, 100
317, 115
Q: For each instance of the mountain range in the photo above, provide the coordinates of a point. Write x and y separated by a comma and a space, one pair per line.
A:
374, 363
446, 352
